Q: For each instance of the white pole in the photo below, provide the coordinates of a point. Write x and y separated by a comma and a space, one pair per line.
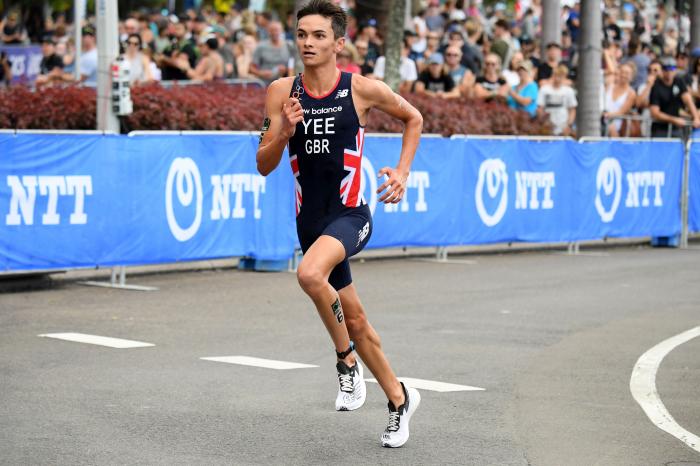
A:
107, 51
78, 14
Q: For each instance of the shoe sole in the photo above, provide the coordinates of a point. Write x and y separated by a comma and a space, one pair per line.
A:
415, 402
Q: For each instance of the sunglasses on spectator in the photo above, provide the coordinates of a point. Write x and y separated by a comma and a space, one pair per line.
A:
433, 37
491, 63
669, 68
132, 42
452, 55
344, 55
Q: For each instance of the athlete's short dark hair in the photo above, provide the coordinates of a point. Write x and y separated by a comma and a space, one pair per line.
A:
339, 20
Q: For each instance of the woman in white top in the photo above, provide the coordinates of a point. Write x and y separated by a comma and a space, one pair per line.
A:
139, 64
619, 99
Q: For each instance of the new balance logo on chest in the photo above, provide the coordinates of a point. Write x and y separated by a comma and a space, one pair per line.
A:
341, 93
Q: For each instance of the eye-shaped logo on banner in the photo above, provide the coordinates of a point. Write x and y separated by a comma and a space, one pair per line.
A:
608, 183
185, 183
369, 177
492, 174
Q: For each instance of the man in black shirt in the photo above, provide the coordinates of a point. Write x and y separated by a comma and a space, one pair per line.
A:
51, 66
668, 95
179, 50
436, 80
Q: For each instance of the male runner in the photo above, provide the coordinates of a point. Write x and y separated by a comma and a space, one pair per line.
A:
321, 115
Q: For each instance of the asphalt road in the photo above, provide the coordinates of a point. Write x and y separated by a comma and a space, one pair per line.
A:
552, 339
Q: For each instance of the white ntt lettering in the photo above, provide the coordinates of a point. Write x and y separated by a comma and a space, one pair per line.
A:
220, 208
529, 184
79, 186
238, 184
53, 186
22, 200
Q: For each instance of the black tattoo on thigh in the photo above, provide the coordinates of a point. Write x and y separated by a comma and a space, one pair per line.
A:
337, 310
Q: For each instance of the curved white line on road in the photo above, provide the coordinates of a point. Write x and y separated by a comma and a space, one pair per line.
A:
643, 387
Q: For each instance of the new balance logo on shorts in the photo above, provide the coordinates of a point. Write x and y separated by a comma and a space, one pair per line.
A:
363, 233
341, 93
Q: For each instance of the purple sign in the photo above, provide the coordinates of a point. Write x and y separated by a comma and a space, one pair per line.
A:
24, 62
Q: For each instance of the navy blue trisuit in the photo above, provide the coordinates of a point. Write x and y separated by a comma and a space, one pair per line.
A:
326, 157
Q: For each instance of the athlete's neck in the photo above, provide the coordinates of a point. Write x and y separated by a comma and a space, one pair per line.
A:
321, 80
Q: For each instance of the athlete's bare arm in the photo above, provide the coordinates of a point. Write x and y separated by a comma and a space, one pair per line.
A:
368, 94
282, 113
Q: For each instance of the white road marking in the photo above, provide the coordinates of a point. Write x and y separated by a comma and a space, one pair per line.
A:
434, 385
643, 388
259, 362
97, 340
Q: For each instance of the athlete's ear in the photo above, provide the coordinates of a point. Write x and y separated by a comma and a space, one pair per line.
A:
339, 45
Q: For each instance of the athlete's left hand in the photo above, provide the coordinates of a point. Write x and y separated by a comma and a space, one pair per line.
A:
395, 185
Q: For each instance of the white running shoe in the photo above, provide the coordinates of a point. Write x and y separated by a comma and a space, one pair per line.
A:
396, 433
352, 392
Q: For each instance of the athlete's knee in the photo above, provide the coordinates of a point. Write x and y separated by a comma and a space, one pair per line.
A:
310, 278
358, 326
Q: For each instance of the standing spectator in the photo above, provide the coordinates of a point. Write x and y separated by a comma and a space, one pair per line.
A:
472, 57
13, 32
362, 46
5, 70
421, 31
523, 96
431, 49
180, 49
558, 100
619, 101
435, 81
641, 62
271, 57
463, 77
528, 26
51, 66
433, 16
668, 96
407, 69
139, 64
573, 22
503, 42
368, 33
244, 56
491, 84
211, 65
692, 77
552, 60
643, 93
88, 59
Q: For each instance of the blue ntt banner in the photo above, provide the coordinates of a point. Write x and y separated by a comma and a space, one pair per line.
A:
694, 187
84, 200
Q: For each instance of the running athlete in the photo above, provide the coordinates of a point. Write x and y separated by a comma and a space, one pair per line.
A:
320, 115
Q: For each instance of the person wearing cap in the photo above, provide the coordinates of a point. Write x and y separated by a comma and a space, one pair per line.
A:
523, 96
51, 66
436, 81
668, 97
368, 32
88, 58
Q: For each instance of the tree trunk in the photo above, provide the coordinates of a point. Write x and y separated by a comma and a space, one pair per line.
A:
588, 79
394, 42
551, 29
695, 25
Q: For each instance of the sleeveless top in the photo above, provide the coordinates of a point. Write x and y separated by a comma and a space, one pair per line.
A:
136, 71
326, 151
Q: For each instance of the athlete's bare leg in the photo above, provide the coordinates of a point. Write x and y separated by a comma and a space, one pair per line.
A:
368, 344
313, 272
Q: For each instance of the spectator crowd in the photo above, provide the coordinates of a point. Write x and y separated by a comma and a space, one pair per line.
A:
451, 49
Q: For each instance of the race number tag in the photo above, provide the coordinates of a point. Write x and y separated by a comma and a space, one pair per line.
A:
265, 127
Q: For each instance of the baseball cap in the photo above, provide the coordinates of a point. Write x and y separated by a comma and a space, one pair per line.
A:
437, 59
88, 31
668, 63
48, 39
525, 64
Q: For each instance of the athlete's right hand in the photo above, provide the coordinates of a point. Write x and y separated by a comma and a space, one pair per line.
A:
292, 113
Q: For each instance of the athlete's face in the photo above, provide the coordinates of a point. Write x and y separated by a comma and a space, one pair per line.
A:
316, 42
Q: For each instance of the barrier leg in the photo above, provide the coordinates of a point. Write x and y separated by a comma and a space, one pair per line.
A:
118, 280
441, 254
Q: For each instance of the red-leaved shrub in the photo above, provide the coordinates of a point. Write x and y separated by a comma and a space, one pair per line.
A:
220, 106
